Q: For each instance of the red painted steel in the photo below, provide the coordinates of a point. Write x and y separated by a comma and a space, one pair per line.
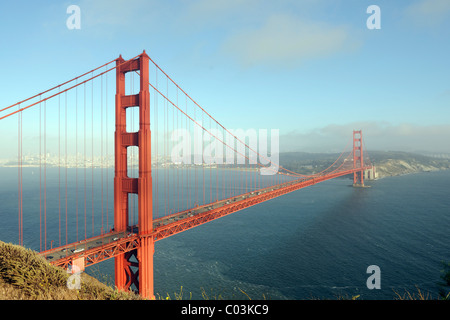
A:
145, 195
120, 173
94, 250
358, 160
125, 276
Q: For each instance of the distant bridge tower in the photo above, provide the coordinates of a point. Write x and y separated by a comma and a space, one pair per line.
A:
358, 159
141, 258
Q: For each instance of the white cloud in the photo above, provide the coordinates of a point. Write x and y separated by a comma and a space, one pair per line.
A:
109, 17
207, 11
377, 136
284, 40
428, 12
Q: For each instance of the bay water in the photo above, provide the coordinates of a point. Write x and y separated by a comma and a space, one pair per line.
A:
314, 243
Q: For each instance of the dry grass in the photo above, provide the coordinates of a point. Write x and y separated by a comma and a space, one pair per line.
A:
419, 295
26, 275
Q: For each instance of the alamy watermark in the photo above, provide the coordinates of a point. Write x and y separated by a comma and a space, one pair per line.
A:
195, 149
74, 20
374, 20
374, 280
74, 281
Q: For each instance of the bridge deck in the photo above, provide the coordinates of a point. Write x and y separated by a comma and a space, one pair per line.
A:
113, 243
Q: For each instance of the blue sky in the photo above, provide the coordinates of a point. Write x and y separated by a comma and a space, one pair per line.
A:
309, 68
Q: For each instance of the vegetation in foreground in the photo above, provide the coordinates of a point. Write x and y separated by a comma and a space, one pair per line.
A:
25, 275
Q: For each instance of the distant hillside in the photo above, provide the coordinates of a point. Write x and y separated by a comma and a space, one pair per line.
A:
388, 163
25, 275
307, 163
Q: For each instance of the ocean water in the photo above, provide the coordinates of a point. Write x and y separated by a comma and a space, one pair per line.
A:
313, 243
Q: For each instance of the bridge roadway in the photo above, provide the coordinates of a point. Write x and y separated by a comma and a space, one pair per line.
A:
111, 244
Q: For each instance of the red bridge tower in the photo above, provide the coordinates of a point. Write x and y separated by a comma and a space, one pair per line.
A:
141, 258
358, 159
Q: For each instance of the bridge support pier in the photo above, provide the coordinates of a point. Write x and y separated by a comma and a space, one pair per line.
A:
126, 274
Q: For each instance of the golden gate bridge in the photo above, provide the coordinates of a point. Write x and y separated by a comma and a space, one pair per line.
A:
153, 197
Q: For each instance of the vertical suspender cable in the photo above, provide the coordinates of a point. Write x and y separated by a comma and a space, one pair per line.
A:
168, 171
196, 189
107, 155
59, 167
65, 147
217, 146
174, 170
203, 165
76, 158
157, 146
101, 142
18, 170
177, 127
188, 190
40, 175
84, 158
45, 175
182, 207
210, 172
92, 151
169, 187
20, 176
164, 157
